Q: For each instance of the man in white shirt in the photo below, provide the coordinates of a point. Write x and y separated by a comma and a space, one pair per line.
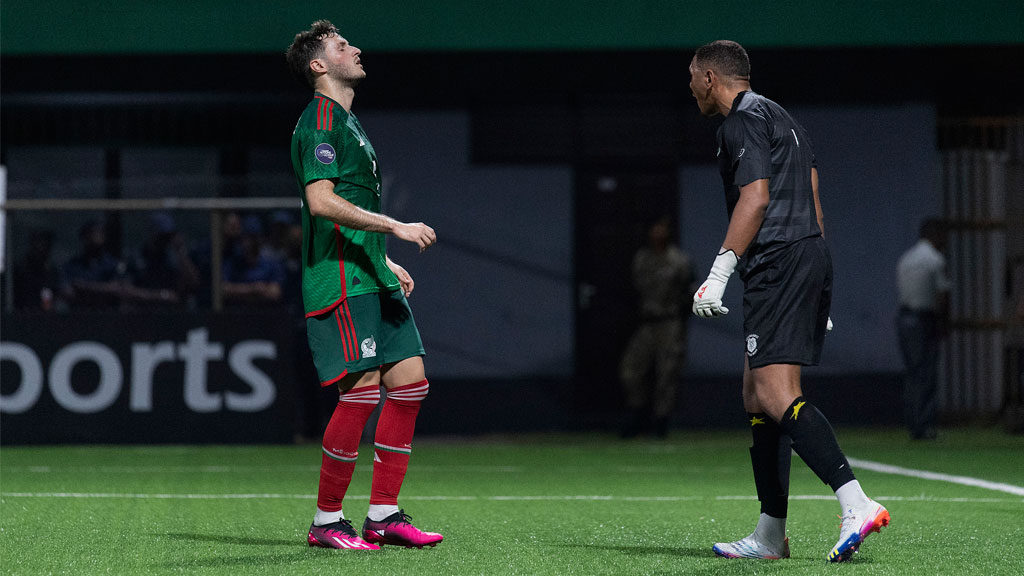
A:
922, 323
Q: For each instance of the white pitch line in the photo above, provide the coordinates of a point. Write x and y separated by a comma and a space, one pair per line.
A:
244, 469
926, 475
564, 498
131, 496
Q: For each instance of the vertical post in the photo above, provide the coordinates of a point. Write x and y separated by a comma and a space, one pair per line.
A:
113, 219
216, 255
6, 252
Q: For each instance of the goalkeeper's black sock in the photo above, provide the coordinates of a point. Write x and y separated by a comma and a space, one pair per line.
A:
770, 456
815, 442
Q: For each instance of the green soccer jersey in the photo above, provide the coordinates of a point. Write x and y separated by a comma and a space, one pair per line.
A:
338, 262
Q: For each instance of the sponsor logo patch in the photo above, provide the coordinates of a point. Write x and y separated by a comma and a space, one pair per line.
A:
325, 153
751, 344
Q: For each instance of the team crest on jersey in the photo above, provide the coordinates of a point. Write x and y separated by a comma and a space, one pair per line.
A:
325, 153
369, 348
751, 344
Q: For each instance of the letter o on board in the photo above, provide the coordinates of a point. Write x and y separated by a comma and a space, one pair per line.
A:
111, 377
31, 386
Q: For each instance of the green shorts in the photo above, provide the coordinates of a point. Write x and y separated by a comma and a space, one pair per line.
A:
363, 333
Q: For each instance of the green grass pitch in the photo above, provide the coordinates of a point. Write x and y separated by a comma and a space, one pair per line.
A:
539, 504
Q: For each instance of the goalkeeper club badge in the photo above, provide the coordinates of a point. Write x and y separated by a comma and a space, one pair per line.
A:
369, 348
751, 344
325, 153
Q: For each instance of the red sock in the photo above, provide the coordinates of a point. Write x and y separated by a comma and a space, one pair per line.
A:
341, 445
393, 441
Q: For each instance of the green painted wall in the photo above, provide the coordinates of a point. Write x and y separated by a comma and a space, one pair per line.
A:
189, 26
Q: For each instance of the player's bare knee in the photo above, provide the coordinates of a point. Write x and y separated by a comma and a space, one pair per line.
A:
369, 378
403, 372
766, 398
751, 403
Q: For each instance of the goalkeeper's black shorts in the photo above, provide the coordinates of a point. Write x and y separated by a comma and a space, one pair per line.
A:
786, 301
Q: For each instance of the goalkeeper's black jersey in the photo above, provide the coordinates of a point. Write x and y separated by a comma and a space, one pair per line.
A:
759, 139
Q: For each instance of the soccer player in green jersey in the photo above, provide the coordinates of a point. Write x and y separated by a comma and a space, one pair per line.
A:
361, 330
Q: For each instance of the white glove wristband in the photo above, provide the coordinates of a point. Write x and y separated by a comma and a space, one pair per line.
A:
724, 265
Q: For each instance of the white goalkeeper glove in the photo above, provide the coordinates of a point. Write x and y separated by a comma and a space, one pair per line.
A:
707, 301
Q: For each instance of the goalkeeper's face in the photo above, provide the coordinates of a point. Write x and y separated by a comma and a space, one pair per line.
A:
343, 60
700, 86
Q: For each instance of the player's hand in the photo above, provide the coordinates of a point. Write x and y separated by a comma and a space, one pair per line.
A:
404, 279
828, 325
417, 233
707, 301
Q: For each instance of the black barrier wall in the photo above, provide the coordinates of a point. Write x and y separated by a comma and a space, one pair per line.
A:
113, 378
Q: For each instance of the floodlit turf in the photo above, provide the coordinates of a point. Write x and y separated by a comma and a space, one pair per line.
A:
566, 504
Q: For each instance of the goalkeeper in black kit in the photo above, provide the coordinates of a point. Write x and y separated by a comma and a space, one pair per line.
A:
775, 241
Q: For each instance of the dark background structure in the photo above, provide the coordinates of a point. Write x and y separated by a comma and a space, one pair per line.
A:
538, 139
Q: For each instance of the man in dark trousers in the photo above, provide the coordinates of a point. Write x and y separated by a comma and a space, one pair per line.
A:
921, 324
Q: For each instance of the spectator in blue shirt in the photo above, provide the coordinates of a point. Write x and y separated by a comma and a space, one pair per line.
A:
249, 276
164, 271
93, 278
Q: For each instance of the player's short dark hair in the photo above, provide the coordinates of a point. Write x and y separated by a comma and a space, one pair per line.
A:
308, 46
725, 57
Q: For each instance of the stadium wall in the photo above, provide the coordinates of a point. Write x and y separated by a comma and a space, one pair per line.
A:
487, 145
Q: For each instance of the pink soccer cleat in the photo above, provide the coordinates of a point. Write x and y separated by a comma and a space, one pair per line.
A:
396, 530
340, 535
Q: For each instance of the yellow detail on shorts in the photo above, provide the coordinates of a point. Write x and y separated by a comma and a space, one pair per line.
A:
796, 409
755, 421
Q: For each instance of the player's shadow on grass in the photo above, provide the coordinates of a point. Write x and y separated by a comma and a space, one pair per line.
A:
239, 540
692, 552
228, 561
254, 560
683, 551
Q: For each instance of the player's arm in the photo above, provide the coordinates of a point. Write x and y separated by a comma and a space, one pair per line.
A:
747, 141
404, 279
821, 222
324, 203
747, 216
817, 201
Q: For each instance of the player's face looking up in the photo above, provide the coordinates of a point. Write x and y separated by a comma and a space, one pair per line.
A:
342, 60
700, 86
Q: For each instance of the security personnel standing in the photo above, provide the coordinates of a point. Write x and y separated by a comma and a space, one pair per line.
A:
662, 276
921, 324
